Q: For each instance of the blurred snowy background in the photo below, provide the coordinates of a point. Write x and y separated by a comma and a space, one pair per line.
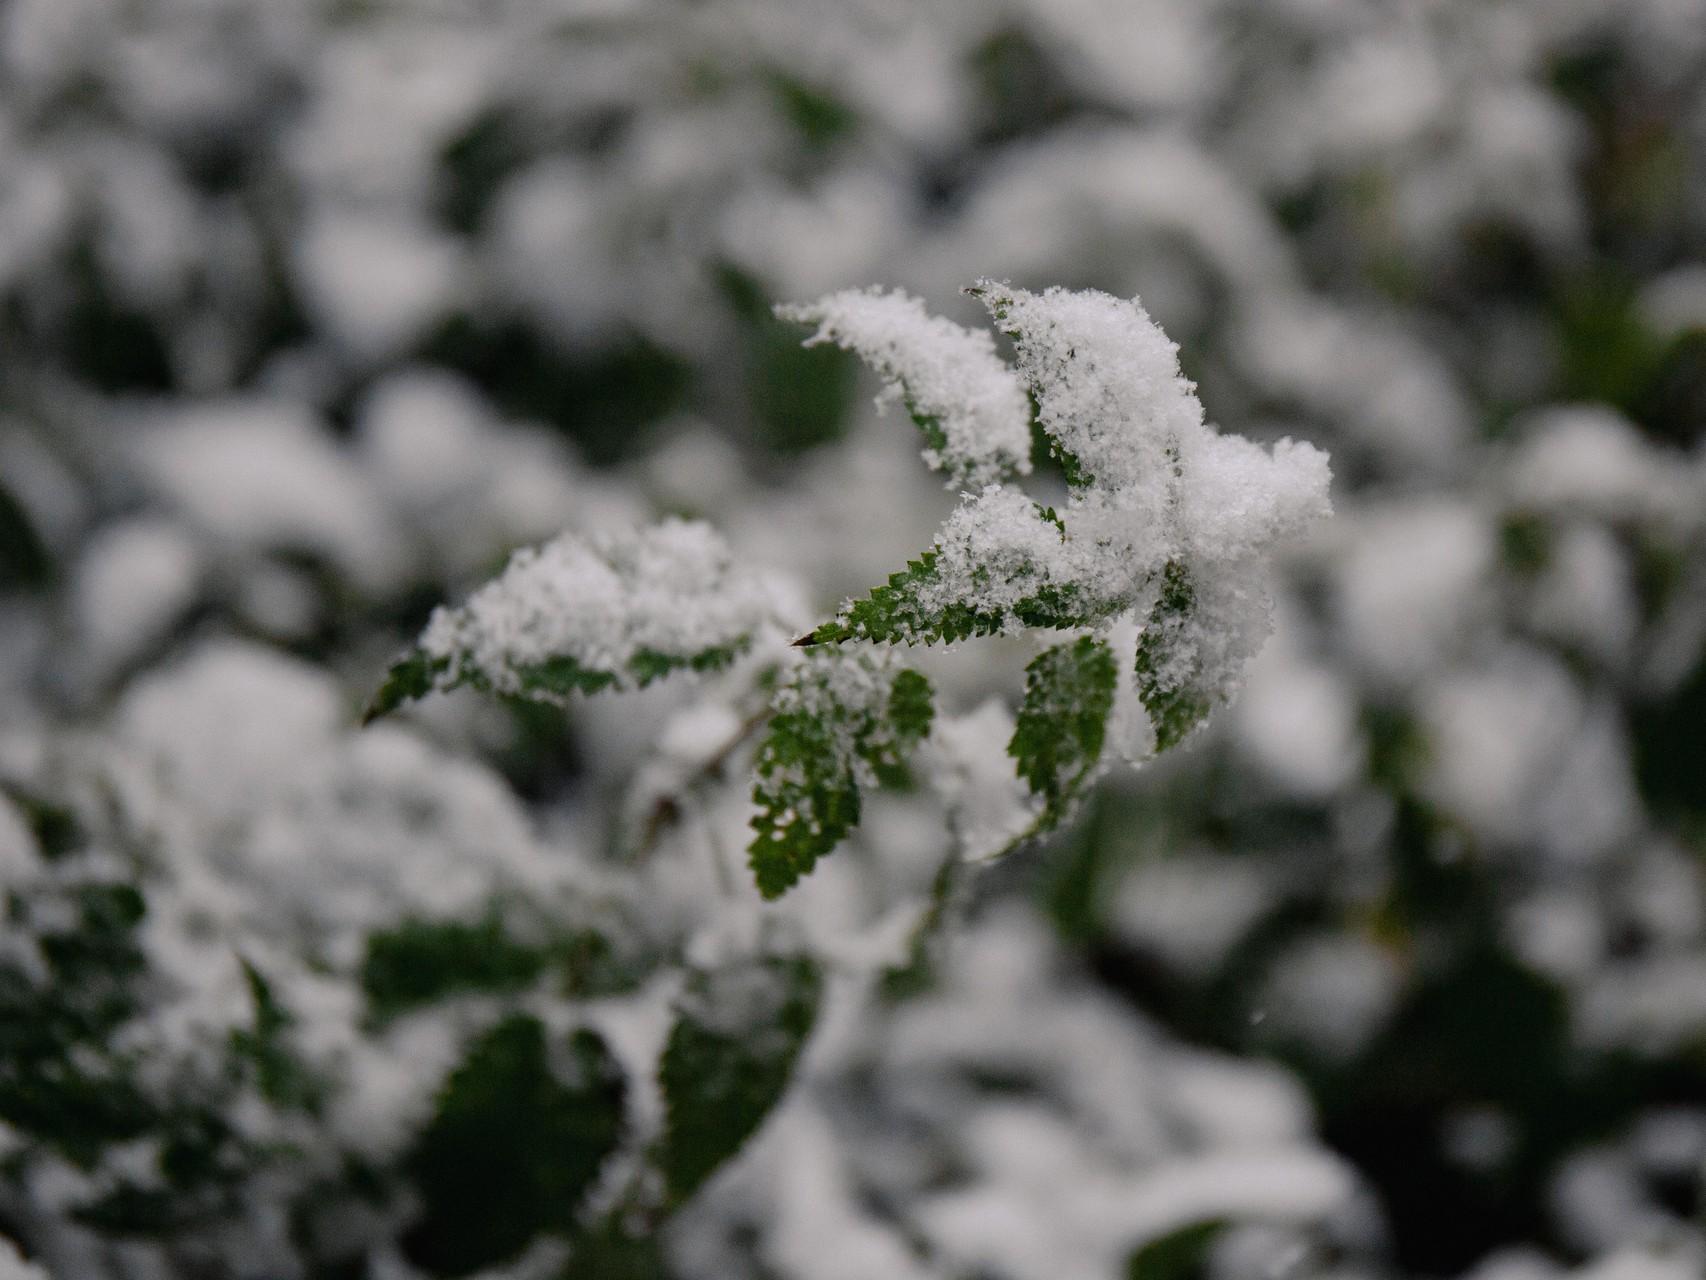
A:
313, 310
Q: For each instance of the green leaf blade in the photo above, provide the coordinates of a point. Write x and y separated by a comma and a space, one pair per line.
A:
843, 720
1167, 676
729, 1058
1063, 722
515, 1144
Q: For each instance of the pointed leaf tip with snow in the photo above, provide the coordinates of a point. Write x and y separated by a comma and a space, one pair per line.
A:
970, 406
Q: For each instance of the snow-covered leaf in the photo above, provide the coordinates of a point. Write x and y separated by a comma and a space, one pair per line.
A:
843, 721
971, 408
1063, 722
583, 615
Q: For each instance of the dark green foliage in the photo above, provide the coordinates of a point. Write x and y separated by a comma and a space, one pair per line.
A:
59, 1081
602, 400
1063, 722
1178, 1255
929, 426
106, 340
279, 1076
410, 678
553, 678
730, 1055
610, 1253
1176, 706
910, 710
821, 120
893, 613
1667, 750
896, 614
24, 561
586, 962
799, 396
475, 164
648, 665
807, 789
420, 961
55, 828
418, 673
200, 1159
798, 824
1526, 541
515, 1143
916, 973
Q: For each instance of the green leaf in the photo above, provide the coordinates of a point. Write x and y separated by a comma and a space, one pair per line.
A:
841, 720
901, 611
737, 1035
1063, 722
280, 1075
24, 558
410, 678
554, 680
515, 1144
1168, 675
420, 961
1179, 1255
915, 974
895, 613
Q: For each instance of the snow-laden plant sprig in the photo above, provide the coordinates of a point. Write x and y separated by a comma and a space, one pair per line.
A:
1158, 561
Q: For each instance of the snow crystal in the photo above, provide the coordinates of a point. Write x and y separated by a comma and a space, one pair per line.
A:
971, 405
998, 548
1159, 502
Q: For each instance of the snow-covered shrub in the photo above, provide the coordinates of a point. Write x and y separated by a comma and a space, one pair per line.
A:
313, 314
